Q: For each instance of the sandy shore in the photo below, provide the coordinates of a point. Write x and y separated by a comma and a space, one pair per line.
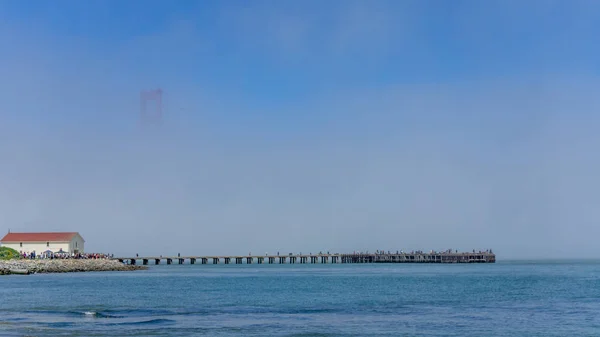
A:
63, 266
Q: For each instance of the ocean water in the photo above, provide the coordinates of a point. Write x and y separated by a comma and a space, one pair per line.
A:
502, 299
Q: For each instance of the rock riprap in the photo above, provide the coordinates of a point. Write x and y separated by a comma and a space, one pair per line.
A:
63, 266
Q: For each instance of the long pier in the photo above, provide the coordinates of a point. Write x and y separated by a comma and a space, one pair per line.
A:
475, 257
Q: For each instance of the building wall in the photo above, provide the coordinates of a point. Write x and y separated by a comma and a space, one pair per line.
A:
77, 245
38, 247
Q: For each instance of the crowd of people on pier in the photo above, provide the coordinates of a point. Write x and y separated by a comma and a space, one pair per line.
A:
64, 255
389, 252
448, 251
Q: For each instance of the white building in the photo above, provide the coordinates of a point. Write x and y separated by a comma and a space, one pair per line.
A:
67, 242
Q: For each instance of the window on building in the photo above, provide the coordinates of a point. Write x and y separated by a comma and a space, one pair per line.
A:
75, 244
21, 244
47, 244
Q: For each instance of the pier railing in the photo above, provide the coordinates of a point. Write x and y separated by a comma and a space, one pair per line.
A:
479, 257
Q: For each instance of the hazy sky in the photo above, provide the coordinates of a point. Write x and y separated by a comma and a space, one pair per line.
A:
304, 126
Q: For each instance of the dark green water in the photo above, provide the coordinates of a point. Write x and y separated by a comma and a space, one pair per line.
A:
549, 298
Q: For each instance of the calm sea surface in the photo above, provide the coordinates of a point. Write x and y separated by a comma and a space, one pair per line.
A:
502, 299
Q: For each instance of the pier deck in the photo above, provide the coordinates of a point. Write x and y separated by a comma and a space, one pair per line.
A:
479, 257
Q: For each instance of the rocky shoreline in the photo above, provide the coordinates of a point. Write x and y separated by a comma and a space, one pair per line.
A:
63, 266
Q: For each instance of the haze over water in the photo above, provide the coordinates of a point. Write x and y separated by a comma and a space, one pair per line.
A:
526, 299
335, 126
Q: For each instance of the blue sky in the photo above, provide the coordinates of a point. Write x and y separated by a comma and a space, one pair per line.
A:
362, 121
255, 49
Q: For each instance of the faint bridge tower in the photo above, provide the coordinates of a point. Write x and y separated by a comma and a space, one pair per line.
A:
151, 107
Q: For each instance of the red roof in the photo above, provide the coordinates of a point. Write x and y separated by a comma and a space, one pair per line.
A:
38, 237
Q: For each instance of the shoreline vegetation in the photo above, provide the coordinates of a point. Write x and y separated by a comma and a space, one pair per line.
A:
8, 254
25, 266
